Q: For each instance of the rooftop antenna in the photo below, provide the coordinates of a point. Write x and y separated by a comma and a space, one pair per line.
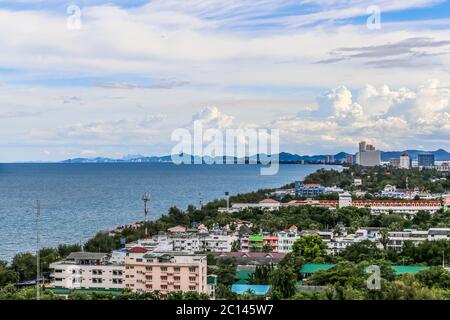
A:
38, 258
146, 198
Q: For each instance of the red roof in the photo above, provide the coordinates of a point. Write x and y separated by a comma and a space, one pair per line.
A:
387, 203
137, 250
268, 201
293, 227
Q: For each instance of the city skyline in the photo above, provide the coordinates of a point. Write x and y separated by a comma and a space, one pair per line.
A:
136, 70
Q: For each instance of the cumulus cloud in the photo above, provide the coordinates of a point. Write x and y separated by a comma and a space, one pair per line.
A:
387, 117
211, 117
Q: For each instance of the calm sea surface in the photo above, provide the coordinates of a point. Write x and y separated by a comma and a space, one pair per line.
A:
80, 199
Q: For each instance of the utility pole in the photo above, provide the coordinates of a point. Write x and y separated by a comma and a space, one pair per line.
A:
38, 258
145, 198
200, 197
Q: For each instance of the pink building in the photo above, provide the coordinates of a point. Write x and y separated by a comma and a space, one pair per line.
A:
165, 271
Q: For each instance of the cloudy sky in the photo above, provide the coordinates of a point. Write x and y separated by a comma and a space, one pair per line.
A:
117, 77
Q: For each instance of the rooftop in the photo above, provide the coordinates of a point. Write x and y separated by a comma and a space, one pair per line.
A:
256, 289
86, 256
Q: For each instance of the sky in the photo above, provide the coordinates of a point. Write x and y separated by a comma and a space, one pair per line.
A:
111, 78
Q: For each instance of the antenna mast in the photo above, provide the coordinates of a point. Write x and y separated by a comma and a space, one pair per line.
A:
145, 198
38, 258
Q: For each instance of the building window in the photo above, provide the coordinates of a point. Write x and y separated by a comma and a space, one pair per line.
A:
138, 260
192, 279
176, 278
117, 281
163, 287
97, 280
192, 269
163, 278
192, 288
149, 286
148, 268
149, 277
176, 287
176, 269
163, 269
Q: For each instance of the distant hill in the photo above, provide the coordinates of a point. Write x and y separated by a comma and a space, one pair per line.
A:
284, 157
439, 155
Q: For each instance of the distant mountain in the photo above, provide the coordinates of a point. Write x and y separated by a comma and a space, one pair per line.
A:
439, 155
284, 157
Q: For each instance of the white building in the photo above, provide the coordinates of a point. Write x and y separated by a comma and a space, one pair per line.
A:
385, 206
439, 234
87, 270
157, 243
398, 238
266, 204
367, 155
345, 200
405, 161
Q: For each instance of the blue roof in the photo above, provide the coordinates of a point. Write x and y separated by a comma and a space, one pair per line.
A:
256, 289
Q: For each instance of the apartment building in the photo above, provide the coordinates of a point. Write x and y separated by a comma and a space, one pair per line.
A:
397, 238
439, 234
266, 204
88, 270
406, 208
166, 271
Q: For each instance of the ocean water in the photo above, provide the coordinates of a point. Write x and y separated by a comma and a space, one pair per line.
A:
77, 200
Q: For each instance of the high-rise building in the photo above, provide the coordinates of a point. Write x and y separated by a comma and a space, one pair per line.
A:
426, 160
405, 161
329, 159
367, 155
362, 146
165, 271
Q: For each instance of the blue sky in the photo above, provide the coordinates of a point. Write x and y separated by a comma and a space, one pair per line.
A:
136, 70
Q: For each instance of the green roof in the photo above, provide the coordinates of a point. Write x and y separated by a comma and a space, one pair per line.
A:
211, 280
242, 276
62, 290
256, 237
408, 269
313, 267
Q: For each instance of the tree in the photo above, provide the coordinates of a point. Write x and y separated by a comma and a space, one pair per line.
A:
384, 240
8, 276
65, 249
261, 275
435, 277
25, 265
236, 246
310, 247
360, 251
284, 282
102, 242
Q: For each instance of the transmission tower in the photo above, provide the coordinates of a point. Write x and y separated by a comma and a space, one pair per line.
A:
38, 258
145, 198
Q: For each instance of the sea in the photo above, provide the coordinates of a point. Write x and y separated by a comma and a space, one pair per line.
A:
78, 200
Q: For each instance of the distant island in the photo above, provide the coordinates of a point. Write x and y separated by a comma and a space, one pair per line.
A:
284, 157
